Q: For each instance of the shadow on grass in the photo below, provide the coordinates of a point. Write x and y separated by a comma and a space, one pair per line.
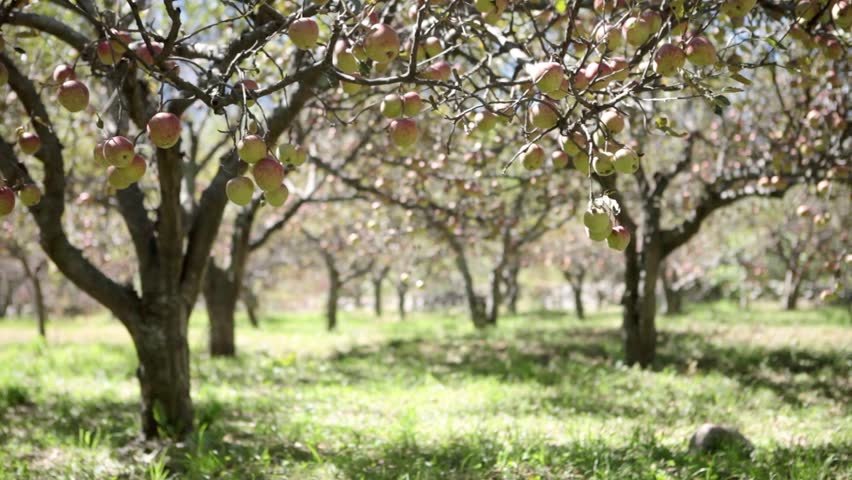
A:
476, 456
554, 357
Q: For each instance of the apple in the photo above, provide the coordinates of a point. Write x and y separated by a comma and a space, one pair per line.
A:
608, 37
119, 151
548, 76
654, 21
7, 201
598, 224
626, 161
636, 31
737, 8
120, 41
619, 68
602, 164
607, 6
668, 60
136, 170
62, 73
344, 59
532, 158
561, 92
164, 129
391, 106
117, 177
700, 52
29, 142
598, 74
559, 159
439, 71
618, 239
304, 32
268, 173
240, 190
98, 154
803, 211
73, 95
403, 132
580, 160
382, 43
543, 114
433, 47
573, 143
823, 187
251, 148
613, 121
841, 12
351, 88
412, 104
276, 197
292, 155
490, 7
106, 54
485, 121
30, 195
146, 55
245, 89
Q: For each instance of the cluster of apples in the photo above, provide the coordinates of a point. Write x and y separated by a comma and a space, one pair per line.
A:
820, 219
400, 109
118, 155
29, 194
267, 170
72, 94
600, 227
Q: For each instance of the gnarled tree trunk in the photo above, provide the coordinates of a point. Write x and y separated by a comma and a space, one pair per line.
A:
401, 291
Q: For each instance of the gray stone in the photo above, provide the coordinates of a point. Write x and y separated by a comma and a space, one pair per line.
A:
713, 438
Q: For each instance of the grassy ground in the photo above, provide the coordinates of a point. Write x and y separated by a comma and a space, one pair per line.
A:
542, 397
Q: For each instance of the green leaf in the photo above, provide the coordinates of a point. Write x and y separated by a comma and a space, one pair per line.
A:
741, 79
722, 101
775, 43
561, 6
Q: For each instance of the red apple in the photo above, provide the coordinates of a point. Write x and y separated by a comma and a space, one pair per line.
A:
73, 95
164, 129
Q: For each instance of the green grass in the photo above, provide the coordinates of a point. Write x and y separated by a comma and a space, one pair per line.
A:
544, 396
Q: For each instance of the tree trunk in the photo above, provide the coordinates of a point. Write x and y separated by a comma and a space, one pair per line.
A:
513, 288
221, 299
38, 294
640, 302
377, 296
250, 303
358, 296
577, 289
496, 296
5, 295
164, 376
333, 297
38, 298
674, 298
792, 287
401, 291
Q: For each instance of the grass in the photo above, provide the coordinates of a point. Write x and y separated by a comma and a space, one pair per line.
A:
544, 396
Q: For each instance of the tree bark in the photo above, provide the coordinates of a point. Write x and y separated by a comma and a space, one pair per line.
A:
333, 298
38, 293
513, 288
792, 287
164, 376
377, 297
674, 298
640, 301
250, 303
221, 299
401, 291
576, 278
